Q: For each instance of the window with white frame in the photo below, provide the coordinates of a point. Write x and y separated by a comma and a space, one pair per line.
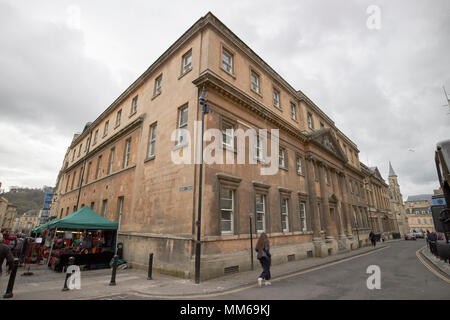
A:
284, 214
158, 85
260, 212
227, 61
258, 148
276, 98
99, 167
134, 105
187, 62
293, 111
152, 141
111, 160
120, 207
226, 210
182, 124
105, 131
118, 117
96, 136
299, 165
302, 211
227, 135
104, 207
282, 157
127, 153
255, 81
310, 121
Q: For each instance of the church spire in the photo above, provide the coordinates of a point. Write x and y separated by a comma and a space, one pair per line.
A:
391, 171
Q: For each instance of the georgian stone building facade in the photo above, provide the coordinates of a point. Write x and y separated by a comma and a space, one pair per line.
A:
418, 211
7, 214
383, 221
121, 164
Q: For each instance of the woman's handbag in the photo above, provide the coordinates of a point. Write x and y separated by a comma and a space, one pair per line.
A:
262, 254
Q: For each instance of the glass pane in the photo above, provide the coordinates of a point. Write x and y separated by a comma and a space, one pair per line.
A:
226, 193
225, 226
226, 215
226, 204
183, 116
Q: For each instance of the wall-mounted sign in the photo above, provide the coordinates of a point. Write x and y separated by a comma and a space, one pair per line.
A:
185, 188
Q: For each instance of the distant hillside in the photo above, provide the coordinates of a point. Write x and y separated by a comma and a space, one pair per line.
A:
25, 199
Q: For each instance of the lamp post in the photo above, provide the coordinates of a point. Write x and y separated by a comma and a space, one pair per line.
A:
205, 110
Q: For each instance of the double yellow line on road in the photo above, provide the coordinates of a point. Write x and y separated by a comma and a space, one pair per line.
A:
436, 273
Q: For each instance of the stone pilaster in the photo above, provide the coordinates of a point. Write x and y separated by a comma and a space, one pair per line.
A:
319, 245
346, 206
338, 192
325, 202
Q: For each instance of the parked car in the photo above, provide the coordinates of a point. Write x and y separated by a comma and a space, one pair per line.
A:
410, 236
418, 234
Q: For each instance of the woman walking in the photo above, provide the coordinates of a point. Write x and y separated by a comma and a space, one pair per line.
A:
263, 249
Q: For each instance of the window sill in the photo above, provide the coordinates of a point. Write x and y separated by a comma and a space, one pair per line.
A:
116, 126
184, 73
132, 114
156, 95
254, 91
284, 168
104, 136
278, 108
149, 159
300, 174
231, 74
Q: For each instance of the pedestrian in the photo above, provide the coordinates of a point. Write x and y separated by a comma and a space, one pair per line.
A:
264, 257
372, 238
5, 252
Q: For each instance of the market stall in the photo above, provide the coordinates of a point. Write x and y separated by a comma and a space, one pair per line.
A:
84, 235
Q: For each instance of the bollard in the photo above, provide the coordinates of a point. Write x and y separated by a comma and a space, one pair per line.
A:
12, 279
71, 262
150, 266
114, 269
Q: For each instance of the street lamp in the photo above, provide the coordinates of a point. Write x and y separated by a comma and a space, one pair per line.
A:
205, 110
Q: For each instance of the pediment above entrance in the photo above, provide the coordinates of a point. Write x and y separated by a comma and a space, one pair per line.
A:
325, 139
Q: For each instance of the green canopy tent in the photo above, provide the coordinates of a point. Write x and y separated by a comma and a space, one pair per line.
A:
83, 219
44, 226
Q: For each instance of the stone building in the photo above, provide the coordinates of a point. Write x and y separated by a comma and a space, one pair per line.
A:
418, 211
397, 205
122, 164
28, 221
7, 214
382, 219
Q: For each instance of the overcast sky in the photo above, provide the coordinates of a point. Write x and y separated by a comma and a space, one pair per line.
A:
62, 63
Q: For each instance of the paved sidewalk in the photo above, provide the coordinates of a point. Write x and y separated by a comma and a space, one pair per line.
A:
46, 284
438, 263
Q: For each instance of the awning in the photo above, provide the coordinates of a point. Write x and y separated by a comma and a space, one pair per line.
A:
85, 218
43, 227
